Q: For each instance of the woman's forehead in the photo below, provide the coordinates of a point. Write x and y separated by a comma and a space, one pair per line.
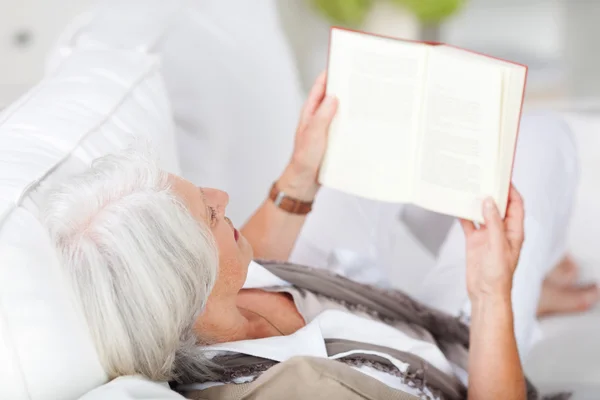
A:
192, 195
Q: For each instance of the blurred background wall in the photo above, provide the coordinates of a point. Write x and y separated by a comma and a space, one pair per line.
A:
28, 29
556, 38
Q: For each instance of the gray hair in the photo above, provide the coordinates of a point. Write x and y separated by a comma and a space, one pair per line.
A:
141, 266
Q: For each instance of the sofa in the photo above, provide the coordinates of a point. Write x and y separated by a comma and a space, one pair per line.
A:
157, 70
217, 91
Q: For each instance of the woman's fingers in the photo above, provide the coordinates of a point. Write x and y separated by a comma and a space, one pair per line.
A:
324, 115
467, 226
493, 221
515, 215
315, 98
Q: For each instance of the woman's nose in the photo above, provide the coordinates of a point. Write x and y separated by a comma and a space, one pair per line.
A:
217, 197
223, 198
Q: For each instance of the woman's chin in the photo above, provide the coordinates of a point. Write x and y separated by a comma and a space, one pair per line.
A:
246, 251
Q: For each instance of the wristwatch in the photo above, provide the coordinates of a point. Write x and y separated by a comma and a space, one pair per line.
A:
289, 204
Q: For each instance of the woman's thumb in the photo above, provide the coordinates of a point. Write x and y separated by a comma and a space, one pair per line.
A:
492, 218
326, 111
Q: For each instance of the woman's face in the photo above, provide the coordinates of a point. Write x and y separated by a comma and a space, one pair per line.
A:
208, 206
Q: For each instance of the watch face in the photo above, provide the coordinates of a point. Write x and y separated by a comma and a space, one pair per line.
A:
279, 198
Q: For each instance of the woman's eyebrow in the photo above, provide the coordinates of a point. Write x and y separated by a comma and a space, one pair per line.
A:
203, 195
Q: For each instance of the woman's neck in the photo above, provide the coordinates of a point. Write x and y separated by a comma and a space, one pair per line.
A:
271, 313
256, 314
219, 326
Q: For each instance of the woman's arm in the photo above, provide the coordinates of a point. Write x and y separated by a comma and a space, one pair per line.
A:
272, 231
493, 251
494, 366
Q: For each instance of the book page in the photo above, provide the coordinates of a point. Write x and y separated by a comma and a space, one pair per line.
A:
372, 143
514, 85
514, 77
459, 138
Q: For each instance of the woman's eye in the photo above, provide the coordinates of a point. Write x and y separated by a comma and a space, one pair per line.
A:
213, 214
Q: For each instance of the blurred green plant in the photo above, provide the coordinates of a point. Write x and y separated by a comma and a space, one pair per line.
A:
344, 12
354, 12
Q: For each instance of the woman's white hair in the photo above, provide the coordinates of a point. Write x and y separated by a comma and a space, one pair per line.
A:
141, 266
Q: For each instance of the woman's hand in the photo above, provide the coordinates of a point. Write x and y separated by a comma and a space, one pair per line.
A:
492, 257
493, 250
299, 179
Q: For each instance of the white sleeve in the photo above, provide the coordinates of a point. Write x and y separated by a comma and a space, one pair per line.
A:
344, 233
132, 388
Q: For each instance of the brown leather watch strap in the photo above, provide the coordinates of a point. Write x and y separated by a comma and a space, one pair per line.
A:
289, 204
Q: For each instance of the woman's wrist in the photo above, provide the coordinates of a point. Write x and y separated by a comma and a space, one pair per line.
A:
297, 184
497, 289
485, 303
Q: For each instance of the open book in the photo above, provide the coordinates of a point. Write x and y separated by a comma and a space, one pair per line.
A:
421, 123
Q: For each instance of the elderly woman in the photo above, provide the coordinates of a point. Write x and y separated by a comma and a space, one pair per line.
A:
169, 289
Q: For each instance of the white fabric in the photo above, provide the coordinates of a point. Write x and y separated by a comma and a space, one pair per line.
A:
231, 78
367, 241
133, 388
567, 357
233, 83
90, 105
310, 340
259, 277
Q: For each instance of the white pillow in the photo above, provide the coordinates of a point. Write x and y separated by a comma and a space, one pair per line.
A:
231, 78
133, 388
91, 105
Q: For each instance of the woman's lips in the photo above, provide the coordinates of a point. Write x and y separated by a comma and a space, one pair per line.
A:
236, 234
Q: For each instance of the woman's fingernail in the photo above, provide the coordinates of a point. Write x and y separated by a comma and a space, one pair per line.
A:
489, 204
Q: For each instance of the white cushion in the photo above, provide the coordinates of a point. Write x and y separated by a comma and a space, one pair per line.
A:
89, 106
133, 388
231, 78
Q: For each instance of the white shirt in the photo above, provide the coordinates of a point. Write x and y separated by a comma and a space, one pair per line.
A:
310, 340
